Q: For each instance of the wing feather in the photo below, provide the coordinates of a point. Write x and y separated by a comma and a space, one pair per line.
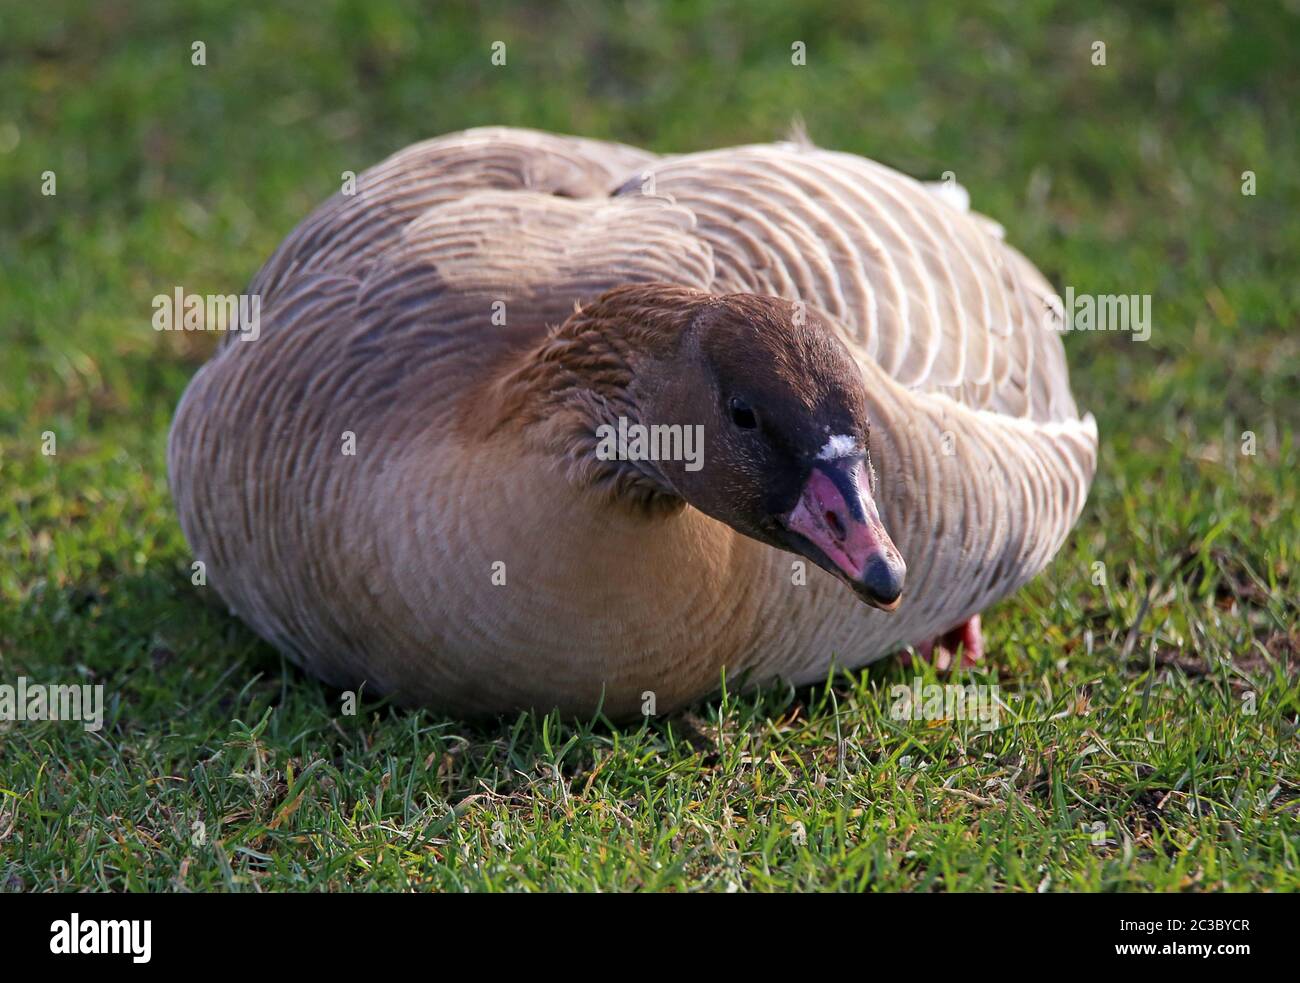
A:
929, 292
922, 287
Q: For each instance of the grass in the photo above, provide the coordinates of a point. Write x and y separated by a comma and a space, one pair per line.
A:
1128, 758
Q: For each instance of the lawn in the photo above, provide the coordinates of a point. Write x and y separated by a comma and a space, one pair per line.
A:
1149, 677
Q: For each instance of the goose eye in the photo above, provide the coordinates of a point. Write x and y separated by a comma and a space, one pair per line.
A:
741, 415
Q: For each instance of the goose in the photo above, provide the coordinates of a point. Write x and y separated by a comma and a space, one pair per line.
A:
414, 478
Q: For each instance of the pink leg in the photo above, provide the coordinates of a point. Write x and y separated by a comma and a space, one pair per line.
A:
943, 649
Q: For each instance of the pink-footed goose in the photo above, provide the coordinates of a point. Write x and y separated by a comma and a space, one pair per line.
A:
404, 480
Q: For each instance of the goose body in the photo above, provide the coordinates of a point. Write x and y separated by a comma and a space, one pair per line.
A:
487, 299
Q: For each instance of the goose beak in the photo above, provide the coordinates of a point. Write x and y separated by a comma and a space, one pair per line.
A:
837, 516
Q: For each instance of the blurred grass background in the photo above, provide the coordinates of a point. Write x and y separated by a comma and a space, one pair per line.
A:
1122, 178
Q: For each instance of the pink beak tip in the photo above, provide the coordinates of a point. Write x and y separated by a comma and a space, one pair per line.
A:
852, 539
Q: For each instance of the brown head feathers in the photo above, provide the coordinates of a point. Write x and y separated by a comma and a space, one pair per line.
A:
658, 355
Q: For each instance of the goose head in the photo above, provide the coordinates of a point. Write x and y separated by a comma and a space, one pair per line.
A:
781, 407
